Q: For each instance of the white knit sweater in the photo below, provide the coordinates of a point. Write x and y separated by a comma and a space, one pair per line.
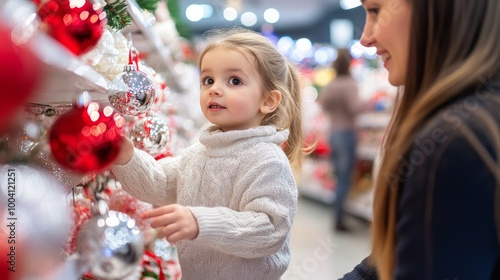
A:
240, 187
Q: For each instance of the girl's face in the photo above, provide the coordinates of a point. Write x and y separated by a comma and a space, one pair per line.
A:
231, 95
387, 28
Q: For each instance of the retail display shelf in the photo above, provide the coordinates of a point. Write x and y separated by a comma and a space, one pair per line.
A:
359, 207
367, 152
64, 75
317, 193
146, 40
356, 206
374, 120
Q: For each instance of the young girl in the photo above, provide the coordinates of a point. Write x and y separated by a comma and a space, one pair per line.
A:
437, 196
229, 200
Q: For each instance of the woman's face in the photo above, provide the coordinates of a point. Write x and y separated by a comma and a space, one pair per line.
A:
387, 28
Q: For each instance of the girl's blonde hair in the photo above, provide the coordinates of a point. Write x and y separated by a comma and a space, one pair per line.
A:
277, 73
454, 46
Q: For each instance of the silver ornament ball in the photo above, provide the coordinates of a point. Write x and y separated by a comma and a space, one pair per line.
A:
150, 134
132, 92
110, 246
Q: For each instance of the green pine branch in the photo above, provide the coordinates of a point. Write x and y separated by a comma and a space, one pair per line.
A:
117, 15
148, 5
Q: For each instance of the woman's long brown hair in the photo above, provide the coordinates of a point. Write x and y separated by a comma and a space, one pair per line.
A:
454, 45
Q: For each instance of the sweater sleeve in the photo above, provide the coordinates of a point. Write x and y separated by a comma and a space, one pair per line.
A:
363, 271
149, 180
262, 223
445, 227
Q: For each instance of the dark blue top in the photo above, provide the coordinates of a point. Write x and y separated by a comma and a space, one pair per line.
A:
446, 227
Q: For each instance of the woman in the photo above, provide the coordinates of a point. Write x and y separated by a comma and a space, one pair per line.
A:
340, 102
437, 195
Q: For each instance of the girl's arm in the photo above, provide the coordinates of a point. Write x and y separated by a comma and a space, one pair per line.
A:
145, 178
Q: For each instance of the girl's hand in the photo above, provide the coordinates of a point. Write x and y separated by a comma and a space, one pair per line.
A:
176, 222
126, 151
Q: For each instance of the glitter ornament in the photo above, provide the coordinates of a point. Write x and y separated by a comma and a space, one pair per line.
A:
39, 119
78, 25
94, 56
164, 249
110, 246
150, 134
41, 155
81, 214
87, 138
122, 201
132, 92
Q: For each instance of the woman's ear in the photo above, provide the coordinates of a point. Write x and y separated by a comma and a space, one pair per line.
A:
271, 103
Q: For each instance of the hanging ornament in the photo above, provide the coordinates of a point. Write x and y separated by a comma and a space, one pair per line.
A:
164, 249
38, 119
87, 138
19, 75
78, 25
150, 134
110, 246
122, 201
35, 206
132, 92
162, 263
81, 206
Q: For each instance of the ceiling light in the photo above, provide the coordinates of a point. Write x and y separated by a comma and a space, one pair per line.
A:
304, 44
230, 14
208, 10
194, 12
271, 15
285, 44
248, 19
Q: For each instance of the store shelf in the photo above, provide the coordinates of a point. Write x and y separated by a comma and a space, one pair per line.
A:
64, 75
374, 120
317, 193
359, 207
317, 185
146, 41
367, 152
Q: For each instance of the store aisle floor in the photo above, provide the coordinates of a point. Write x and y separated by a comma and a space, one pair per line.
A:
319, 252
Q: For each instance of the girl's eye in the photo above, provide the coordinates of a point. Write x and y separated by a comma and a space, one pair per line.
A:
207, 81
234, 81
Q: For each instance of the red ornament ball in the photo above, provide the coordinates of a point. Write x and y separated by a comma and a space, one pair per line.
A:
19, 75
87, 139
76, 24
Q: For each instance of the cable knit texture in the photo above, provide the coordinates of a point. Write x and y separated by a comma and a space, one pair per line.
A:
239, 186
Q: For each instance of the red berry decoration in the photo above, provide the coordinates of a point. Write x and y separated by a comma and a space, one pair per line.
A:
87, 138
76, 24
